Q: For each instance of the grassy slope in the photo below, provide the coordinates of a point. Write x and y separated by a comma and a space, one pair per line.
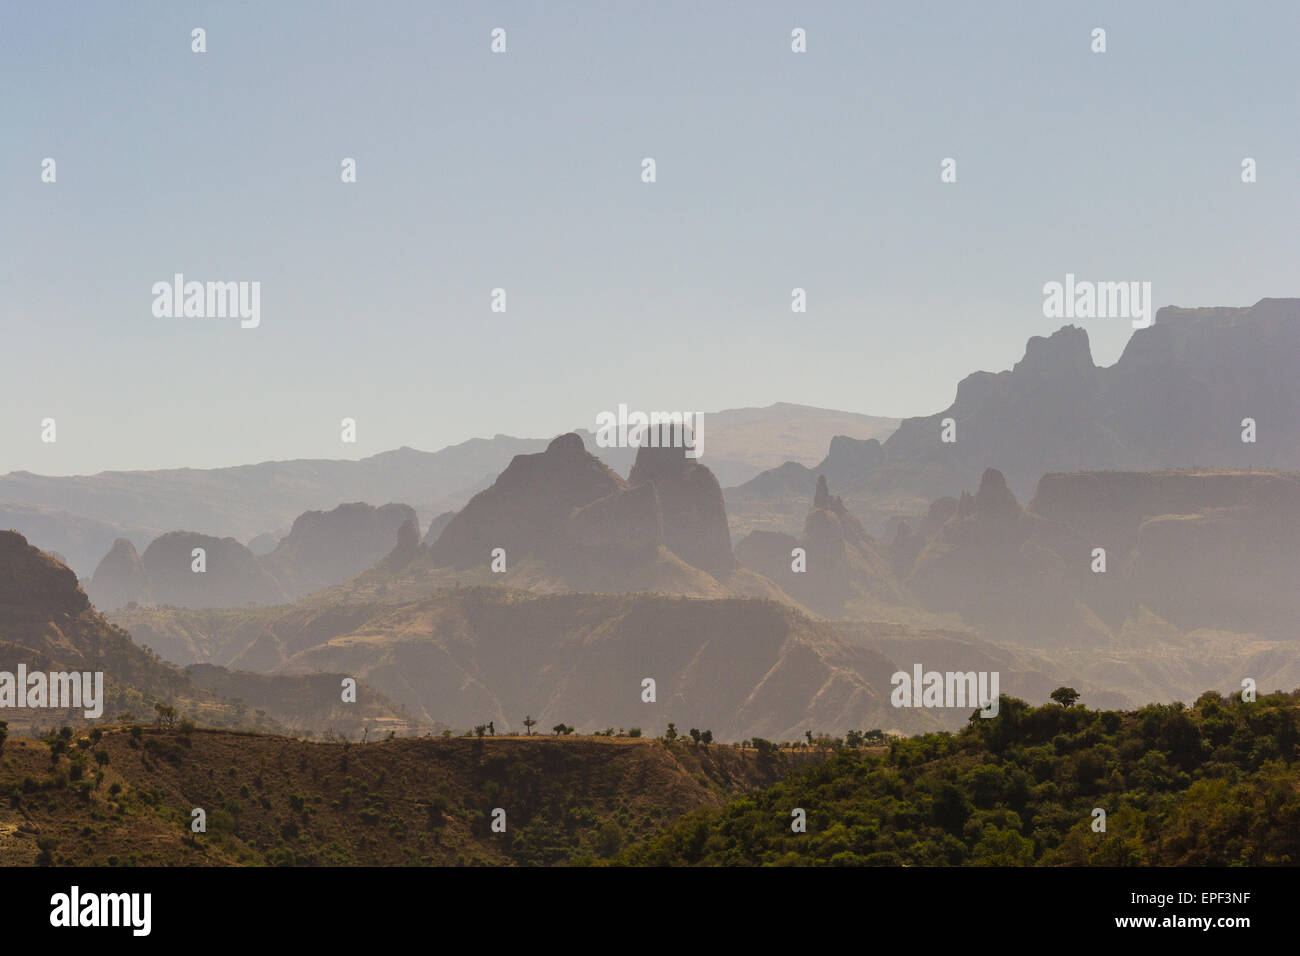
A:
277, 800
1212, 785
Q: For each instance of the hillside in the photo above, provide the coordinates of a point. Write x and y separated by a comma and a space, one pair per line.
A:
319, 550
842, 563
1215, 784
48, 624
82, 515
124, 795
739, 666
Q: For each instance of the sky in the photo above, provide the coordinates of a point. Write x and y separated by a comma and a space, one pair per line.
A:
522, 171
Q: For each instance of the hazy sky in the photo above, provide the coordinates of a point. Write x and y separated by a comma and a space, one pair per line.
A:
523, 171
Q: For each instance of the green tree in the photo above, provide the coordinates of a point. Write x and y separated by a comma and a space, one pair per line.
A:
1065, 696
671, 732
529, 724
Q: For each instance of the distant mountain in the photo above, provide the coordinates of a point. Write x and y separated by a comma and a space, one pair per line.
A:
1176, 398
82, 540
48, 624
739, 666
692, 513
840, 561
1202, 549
120, 578
248, 501
563, 520
321, 549
526, 509
1008, 571
1194, 582
233, 575
436, 526
324, 548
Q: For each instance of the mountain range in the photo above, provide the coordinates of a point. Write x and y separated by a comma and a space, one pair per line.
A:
47, 624
322, 548
1103, 553
1178, 397
81, 516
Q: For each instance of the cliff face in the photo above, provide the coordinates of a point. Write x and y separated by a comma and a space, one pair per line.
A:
1213, 550
1200, 549
47, 623
576, 523
120, 578
233, 577
526, 508
436, 526
841, 562
1176, 398
626, 525
690, 499
1011, 573
324, 548
34, 586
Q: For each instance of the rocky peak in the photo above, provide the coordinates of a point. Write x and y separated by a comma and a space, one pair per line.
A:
690, 500
994, 497
1065, 351
526, 508
119, 578
822, 496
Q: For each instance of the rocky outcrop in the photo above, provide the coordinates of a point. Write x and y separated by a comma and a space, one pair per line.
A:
436, 526
626, 525
526, 509
327, 547
1095, 551
566, 521
120, 578
840, 563
1176, 398
690, 499
232, 576
323, 548
1013, 574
